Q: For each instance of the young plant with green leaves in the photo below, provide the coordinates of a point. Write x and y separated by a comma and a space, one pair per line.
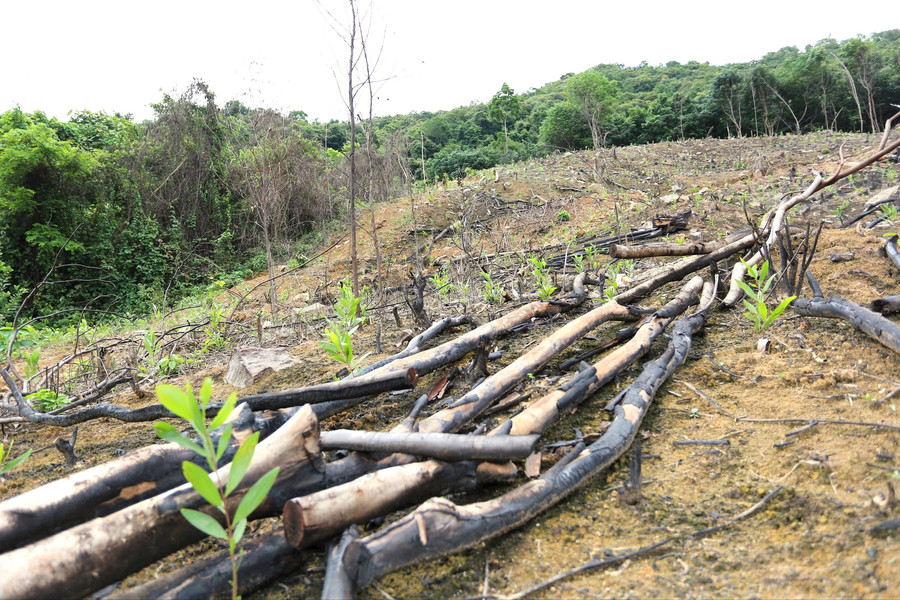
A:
441, 281
208, 483
7, 465
542, 276
757, 290
47, 400
492, 292
338, 342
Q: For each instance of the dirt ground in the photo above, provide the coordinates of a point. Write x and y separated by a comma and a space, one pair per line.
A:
814, 539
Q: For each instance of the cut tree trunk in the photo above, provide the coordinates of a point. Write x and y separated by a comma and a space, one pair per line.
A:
317, 517
88, 557
265, 559
442, 446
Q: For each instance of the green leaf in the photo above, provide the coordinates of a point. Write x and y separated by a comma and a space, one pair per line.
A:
204, 523
224, 440
206, 392
170, 434
224, 411
746, 288
176, 401
16, 461
204, 486
255, 495
241, 462
238, 531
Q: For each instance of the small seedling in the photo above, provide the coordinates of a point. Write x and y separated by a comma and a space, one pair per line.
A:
695, 413
563, 216
757, 311
46, 400
7, 465
542, 276
208, 484
492, 293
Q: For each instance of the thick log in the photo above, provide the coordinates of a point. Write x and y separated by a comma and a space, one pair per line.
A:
367, 385
440, 527
88, 557
497, 385
93, 493
317, 517
890, 247
415, 344
546, 410
882, 330
336, 585
442, 446
671, 249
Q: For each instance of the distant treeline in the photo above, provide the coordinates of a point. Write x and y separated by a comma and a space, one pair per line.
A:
124, 216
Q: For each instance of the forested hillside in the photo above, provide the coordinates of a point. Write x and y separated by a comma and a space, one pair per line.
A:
116, 216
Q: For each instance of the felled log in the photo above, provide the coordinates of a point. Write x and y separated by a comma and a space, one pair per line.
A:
682, 269
415, 344
314, 518
440, 527
427, 361
671, 249
887, 305
442, 446
336, 585
368, 385
86, 558
93, 493
495, 386
882, 330
890, 247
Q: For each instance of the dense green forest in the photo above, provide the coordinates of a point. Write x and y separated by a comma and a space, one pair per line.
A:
103, 215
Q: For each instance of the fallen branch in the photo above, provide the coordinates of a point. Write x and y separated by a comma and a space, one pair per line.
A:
880, 329
442, 446
672, 249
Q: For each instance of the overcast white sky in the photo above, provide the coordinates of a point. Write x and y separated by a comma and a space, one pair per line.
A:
65, 55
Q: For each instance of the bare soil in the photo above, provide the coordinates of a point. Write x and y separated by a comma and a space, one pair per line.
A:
814, 539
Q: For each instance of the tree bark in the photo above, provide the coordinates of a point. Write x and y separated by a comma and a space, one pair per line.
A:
88, 557
441, 446
265, 559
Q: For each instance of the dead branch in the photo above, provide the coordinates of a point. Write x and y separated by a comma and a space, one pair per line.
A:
441, 446
880, 329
